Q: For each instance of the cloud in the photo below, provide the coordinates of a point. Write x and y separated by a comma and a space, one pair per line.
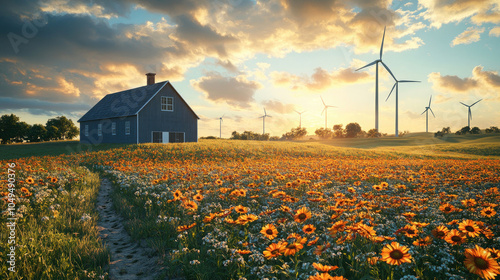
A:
320, 80
495, 31
235, 91
470, 35
278, 107
440, 12
484, 83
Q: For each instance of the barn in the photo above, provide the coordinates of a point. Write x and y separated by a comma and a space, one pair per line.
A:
155, 113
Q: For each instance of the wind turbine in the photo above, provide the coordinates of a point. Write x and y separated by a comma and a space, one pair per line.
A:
396, 85
264, 121
469, 117
300, 114
326, 112
376, 77
427, 115
220, 126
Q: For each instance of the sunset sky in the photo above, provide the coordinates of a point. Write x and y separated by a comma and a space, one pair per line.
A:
234, 57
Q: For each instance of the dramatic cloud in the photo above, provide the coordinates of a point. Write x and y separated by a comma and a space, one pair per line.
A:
495, 31
278, 107
484, 83
235, 91
441, 12
468, 36
320, 80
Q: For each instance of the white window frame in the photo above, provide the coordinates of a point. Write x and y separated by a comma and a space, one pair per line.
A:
87, 130
167, 103
99, 129
113, 128
127, 128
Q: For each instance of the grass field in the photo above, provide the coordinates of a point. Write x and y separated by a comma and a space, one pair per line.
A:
406, 208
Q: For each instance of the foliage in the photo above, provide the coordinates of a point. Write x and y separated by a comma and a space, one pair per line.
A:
373, 133
249, 135
444, 131
8, 128
65, 128
352, 130
36, 133
295, 133
492, 129
338, 131
463, 131
475, 130
324, 133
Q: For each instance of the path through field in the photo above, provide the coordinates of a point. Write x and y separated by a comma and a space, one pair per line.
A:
129, 260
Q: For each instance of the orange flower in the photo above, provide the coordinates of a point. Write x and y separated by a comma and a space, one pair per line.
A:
470, 228
423, 241
190, 205
337, 227
274, 250
308, 229
455, 237
395, 254
324, 268
269, 231
241, 209
30, 180
293, 248
447, 208
488, 212
185, 227
302, 215
480, 262
198, 197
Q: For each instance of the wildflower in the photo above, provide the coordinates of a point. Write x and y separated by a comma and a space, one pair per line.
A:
423, 241
177, 195
372, 260
324, 268
395, 254
53, 180
218, 182
321, 248
185, 227
30, 180
337, 227
274, 250
447, 208
480, 262
470, 228
85, 217
494, 253
241, 209
269, 231
409, 230
455, 237
488, 212
293, 248
302, 215
190, 205
308, 229
198, 197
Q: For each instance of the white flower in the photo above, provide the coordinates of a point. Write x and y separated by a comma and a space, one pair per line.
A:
85, 217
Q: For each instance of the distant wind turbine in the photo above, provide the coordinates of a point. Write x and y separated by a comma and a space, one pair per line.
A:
264, 121
220, 126
300, 114
469, 116
376, 77
427, 115
325, 110
396, 85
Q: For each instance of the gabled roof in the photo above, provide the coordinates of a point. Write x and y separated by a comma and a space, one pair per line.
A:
125, 103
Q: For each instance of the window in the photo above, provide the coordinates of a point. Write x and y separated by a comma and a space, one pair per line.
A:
127, 128
99, 129
167, 103
113, 128
86, 130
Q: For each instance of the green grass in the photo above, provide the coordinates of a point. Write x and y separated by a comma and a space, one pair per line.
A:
55, 148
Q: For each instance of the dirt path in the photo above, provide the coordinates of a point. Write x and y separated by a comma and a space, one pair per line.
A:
129, 260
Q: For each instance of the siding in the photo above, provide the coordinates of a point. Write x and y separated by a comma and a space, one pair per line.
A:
182, 119
107, 137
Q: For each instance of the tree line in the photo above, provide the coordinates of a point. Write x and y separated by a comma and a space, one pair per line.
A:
466, 130
12, 130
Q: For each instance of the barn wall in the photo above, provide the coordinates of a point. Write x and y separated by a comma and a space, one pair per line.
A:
107, 137
182, 119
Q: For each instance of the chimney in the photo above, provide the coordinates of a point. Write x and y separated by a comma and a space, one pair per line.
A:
150, 78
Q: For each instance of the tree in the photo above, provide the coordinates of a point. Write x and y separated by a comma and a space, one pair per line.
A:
492, 129
324, 133
295, 133
373, 133
65, 128
475, 130
338, 131
235, 135
352, 130
22, 130
52, 133
36, 133
8, 127
463, 131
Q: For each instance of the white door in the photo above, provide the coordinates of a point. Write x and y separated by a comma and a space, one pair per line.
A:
164, 136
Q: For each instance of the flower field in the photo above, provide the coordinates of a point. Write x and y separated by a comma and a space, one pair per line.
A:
254, 210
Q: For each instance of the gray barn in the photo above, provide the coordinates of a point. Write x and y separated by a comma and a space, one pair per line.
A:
155, 113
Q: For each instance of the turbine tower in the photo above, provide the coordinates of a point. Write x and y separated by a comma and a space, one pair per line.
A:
376, 77
396, 85
325, 110
427, 115
220, 126
264, 121
469, 116
300, 114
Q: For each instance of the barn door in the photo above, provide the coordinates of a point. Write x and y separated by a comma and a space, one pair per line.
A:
156, 137
165, 137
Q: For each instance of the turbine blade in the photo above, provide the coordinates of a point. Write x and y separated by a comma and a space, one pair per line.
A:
323, 111
382, 45
369, 64
432, 112
424, 111
470, 114
323, 100
265, 114
408, 81
476, 102
430, 101
465, 104
391, 91
389, 70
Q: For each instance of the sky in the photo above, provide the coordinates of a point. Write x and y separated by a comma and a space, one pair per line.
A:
233, 58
